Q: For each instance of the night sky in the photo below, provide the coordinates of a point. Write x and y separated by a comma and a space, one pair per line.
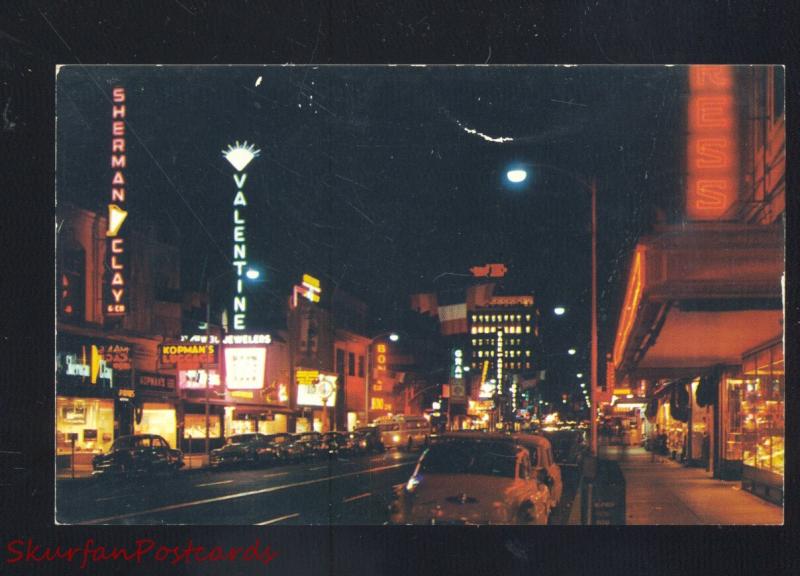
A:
372, 178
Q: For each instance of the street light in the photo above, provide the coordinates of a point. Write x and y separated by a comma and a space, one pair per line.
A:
559, 310
572, 351
579, 374
251, 274
517, 175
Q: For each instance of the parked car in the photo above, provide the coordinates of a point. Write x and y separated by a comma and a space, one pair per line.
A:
544, 465
310, 443
286, 447
239, 449
337, 444
138, 454
369, 439
472, 478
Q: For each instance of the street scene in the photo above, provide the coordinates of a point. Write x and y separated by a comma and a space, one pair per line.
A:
420, 295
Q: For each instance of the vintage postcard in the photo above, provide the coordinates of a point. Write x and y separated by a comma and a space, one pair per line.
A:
420, 295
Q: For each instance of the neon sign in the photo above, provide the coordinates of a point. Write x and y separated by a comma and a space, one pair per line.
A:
458, 364
309, 289
499, 359
489, 271
115, 300
712, 177
239, 156
633, 295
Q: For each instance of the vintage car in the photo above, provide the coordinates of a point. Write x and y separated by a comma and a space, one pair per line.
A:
544, 465
367, 439
309, 443
337, 444
251, 448
138, 454
472, 478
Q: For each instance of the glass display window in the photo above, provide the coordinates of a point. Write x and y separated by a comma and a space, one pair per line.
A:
158, 419
194, 426
762, 408
90, 420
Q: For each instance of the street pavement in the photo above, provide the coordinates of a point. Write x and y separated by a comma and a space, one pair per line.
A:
661, 491
348, 491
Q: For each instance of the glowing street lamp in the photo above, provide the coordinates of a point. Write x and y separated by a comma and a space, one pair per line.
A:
579, 375
559, 310
572, 351
516, 175
394, 337
252, 274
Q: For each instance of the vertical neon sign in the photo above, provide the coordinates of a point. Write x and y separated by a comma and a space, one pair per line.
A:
239, 156
712, 179
116, 258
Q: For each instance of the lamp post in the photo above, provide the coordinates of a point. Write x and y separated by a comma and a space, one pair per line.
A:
394, 337
251, 274
518, 176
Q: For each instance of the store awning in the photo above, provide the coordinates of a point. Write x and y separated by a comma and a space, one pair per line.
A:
699, 295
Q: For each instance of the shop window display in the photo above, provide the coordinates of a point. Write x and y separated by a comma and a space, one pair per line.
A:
762, 408
194, 426
159, 419
91, 419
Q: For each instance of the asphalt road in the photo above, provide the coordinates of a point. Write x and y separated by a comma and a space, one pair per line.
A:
351, 491
347, 491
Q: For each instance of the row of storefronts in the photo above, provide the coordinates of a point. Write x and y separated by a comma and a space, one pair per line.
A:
702, 323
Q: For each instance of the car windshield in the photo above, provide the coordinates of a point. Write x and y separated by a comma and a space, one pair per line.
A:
240, 439
470, 457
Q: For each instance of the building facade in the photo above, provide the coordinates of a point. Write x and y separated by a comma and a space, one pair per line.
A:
702, 320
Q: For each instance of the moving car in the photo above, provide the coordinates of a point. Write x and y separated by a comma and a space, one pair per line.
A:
472, 478
368, 439
544, 466
138, 454
243, 449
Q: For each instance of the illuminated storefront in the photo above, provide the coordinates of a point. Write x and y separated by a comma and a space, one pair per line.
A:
761, 421
157, 418
89, 421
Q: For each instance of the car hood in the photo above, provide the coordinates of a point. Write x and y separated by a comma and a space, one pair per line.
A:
460, 498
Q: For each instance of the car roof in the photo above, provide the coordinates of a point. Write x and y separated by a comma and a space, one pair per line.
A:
494, 436
536, 439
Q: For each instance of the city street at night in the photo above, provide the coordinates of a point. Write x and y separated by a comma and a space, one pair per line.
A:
409, 295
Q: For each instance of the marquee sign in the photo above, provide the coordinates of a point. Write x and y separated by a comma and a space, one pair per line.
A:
511, 301
239, 156
115, 296
711, 155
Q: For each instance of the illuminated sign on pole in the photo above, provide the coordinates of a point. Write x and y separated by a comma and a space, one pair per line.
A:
712, 176
239, 156
115, 300
245, 367
499, 361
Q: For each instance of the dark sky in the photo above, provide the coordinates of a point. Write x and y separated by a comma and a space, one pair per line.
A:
370, 178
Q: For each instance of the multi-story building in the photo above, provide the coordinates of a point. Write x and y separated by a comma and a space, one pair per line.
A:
503, 346
108, 381
702, 322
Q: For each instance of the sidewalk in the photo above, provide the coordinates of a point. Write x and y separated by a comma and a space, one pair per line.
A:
660, 491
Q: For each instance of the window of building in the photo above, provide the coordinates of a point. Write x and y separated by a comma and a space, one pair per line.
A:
528, 317
360, 366
474, 330
351, 364
527, 352
527, 364
527, 329
194, 426
72, 278
91, 420
762, 409
339, 361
